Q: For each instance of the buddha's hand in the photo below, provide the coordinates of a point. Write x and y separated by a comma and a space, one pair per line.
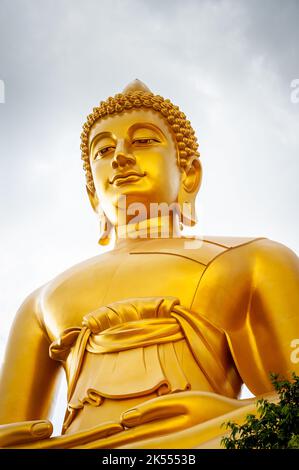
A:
22, 436
183, 409
24, 432
164, 416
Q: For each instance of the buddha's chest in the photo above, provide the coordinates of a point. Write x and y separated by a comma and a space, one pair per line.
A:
142, 274
118, 277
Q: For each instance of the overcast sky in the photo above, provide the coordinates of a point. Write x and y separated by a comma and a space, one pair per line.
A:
227, 64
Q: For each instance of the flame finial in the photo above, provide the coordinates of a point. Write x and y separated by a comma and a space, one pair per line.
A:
136, 85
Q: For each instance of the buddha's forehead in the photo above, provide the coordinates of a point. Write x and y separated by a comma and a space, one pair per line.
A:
120, 124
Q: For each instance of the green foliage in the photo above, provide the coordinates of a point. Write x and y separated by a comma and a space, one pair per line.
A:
276, 425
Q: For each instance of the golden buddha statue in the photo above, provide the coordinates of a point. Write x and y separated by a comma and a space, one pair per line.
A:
157, 335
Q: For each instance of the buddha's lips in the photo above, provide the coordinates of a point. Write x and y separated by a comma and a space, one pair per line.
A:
123, 177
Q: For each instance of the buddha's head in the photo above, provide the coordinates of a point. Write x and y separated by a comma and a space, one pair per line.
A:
140, 146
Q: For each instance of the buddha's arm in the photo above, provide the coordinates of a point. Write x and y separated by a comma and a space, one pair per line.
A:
262, 343
28, 375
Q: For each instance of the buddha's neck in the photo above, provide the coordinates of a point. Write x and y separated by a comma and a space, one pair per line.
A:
156, 227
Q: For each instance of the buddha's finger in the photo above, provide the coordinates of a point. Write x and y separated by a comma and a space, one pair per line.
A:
79, 438
26, 431
151, 410
136, 434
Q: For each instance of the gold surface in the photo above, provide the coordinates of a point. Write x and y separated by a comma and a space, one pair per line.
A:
157, 335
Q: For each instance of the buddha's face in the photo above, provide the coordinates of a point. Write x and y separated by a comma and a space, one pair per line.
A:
134, 155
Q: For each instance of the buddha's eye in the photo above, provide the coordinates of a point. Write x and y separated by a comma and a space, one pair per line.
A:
145, 141
103, 151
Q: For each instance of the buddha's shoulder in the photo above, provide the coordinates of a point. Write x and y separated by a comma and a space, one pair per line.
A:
244, 255
221, 251
202, 250
199, 249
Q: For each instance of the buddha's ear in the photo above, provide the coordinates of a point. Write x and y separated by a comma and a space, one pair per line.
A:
190, 184
93, 199
192, 176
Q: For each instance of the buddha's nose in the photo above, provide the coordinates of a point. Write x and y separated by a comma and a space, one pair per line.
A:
122, 157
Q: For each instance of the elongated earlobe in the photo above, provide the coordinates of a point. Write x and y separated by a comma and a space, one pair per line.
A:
105, 230
105, 224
